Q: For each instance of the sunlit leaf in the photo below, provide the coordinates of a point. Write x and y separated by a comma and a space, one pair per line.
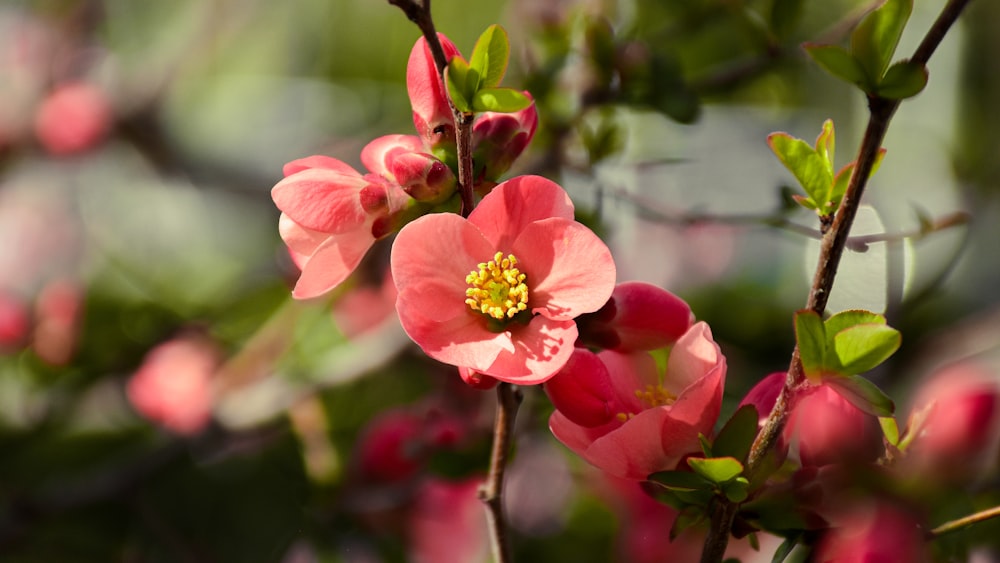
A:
490, 56
717, 469
890, 429
839, 63
863, 347
862, 393
811, 339
805, 163
504, 100
874, 41
456, 77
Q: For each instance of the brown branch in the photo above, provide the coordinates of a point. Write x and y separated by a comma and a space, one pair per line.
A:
832, 247
958, 524
491, 491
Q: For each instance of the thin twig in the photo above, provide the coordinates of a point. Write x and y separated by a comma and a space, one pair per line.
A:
832, 247
958, 524
491, 491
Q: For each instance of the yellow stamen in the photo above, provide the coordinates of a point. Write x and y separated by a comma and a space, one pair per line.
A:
497, 289
653, 396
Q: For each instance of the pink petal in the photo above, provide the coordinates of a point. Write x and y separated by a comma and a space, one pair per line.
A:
423, 83
540, 350
318, 161
696, 408
630, 373
570, 270
431, 258
582, 390
514, 204
573, 436
461, 341
301, 242
322, 200
331, 263
377, 154
633, 450
692, 357
648, 317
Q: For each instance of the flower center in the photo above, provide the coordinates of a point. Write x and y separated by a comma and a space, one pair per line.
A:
653, 396
497, 290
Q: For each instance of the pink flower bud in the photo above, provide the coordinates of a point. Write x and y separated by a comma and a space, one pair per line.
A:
173, 385
499, 138
829, 429
582, 390
390, 448
432, 114
14, 322
423, 177
73, 118
639, 316
955, 418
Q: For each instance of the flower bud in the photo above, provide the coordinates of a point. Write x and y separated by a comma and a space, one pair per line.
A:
582, 390
639, 316
829, 429
73, 119
877, 531
423, 177
499, 138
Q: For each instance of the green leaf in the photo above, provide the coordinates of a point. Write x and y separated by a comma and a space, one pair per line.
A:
717, 469
847, 319
862, 393
736, 437
809, 168
890, 429
825, 144
736, 489
863, 347
785, 16
490, 57
680, 480
874, 41
456, 76
503, 100
839, 63
690, 516
903, 80
811, 339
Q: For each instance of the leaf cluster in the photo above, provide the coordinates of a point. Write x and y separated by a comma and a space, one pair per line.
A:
474, 85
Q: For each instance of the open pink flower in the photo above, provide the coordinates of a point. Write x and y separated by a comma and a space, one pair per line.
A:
618, 412
497, 292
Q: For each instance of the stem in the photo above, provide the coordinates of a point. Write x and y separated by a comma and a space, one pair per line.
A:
491, 491
832, 246
723, 513
956, 525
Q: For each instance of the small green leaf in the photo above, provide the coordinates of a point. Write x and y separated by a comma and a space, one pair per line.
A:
849, 318
811, 339
680, 480
717, 469
689, 516
862, 393
736, 489
490, 57
809, 168
825, 144
903, 80
736, 437
839, 63
874, 40
503, 100
456, 76
890, 429
863, 347
706, 445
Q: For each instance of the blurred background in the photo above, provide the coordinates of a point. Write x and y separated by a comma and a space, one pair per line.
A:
162, 398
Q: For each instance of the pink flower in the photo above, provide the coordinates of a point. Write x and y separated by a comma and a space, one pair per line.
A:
58, 309
73, 118
331, 214
14, 322
876, 532
497, 292
622, 415
639, 316
173, 384
956, 422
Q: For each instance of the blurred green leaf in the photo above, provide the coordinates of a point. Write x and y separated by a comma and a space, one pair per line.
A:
839, 63
680, 480
489, 57
503, 100
890, 429
785, 16
903, 80
736, 489
456, 77
874, 41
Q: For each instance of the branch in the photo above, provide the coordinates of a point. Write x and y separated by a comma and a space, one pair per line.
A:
832, 246
491, 491
956, 525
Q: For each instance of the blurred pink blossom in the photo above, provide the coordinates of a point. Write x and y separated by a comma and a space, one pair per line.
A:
58, 311
874, 532
173, 386
15, 321
73, 118
447, 523
829, 429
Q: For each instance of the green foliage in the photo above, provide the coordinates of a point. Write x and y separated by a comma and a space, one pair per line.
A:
504, 100
874, 40
716, 470
903, 80
458, 81
473, 85
862, 394
736, 437
890, 429
489, 57
838, 62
